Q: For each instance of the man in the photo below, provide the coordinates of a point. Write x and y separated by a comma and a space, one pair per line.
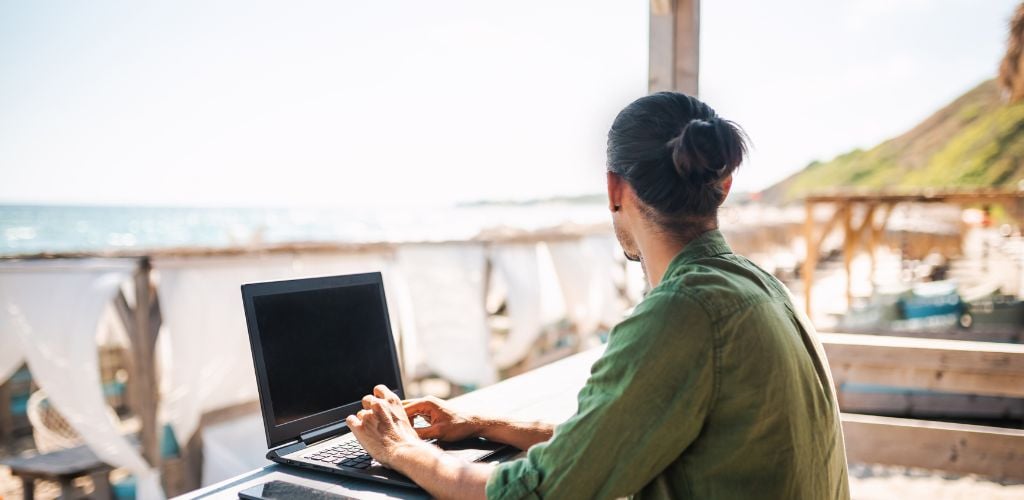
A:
714, 387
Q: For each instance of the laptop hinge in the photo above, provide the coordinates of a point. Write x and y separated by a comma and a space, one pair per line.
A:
322, 433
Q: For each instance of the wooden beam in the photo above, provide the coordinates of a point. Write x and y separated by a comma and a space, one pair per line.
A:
923, 196
142, 327
965, 449
811, 256
874, 235
954, 366
674, 46
6, 419
814, 241
849, 248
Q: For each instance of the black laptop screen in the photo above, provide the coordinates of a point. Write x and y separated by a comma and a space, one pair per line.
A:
323, 348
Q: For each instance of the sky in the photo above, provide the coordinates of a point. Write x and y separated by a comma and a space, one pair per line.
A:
314, 103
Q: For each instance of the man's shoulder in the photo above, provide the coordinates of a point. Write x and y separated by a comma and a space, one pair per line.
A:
722, 284
666, 315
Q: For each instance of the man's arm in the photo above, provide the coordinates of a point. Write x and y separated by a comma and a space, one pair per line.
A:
442, 475
448, 424
522, 435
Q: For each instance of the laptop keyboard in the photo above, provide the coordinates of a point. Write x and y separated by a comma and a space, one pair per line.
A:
348, 453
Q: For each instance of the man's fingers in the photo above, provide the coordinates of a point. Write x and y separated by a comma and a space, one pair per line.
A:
377, 406
363, 414
353, 421
428, 432
418, 406
367, 399
413, 405
382, 392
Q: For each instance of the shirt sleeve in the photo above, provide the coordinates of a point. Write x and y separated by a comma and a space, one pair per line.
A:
643, 405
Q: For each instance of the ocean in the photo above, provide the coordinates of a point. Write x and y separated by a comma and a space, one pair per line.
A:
31, 229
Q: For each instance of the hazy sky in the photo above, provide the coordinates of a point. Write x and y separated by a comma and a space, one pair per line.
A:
326, 102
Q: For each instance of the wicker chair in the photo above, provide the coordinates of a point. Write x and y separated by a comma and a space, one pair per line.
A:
51, 432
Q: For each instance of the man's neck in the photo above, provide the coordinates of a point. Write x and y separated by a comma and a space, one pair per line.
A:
656, 252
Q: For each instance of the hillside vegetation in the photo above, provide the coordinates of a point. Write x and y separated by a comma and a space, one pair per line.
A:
975, 141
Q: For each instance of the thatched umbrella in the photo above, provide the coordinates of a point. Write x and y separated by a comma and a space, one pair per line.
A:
1010, 77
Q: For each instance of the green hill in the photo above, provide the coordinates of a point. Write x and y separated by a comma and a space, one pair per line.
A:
975, 141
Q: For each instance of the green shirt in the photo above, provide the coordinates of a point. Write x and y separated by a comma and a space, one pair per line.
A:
714, 387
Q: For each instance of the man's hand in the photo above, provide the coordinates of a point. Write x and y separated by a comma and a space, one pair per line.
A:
382, 426
445, 423
386, 433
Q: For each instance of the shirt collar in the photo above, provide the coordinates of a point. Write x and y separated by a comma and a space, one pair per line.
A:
708, 244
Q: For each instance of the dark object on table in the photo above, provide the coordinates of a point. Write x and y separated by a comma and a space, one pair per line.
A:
63, 467
283, 490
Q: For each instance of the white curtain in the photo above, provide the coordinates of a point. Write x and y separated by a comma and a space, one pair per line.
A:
205, 351
49, 311
532, 297
445, 287
11, 356
587, 270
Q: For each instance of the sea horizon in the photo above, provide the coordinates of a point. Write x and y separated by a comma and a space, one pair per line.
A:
27, 229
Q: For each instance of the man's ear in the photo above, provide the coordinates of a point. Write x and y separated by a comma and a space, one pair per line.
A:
615, 184
726, 186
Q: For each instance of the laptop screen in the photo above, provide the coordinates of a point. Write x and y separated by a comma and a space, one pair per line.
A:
323, 348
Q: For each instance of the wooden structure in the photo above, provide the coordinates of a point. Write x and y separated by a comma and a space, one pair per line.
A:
674, 51
141, 319
955, 366
873, 211
952, 366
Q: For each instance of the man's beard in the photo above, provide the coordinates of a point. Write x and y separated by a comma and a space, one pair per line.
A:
629, 247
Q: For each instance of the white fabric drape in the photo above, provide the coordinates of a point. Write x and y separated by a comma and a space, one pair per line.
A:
532, 297
205, 348
586, 270
11, 356
53, 309
445, 286
205, 343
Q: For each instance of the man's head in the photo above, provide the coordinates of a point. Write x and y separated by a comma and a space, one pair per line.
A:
670, 165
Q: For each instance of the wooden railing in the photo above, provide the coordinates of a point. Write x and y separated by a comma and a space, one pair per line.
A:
953, 366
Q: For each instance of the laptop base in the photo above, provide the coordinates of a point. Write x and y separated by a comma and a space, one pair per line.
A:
469, 450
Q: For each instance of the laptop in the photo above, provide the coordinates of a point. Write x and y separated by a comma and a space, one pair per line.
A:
319, 345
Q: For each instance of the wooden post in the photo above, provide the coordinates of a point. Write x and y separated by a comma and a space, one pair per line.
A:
849, 247
874, 231
142, 323
811, 259
674, 50
6, 419
147, 321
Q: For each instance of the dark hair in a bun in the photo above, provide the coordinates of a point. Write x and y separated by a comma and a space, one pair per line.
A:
675, 151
